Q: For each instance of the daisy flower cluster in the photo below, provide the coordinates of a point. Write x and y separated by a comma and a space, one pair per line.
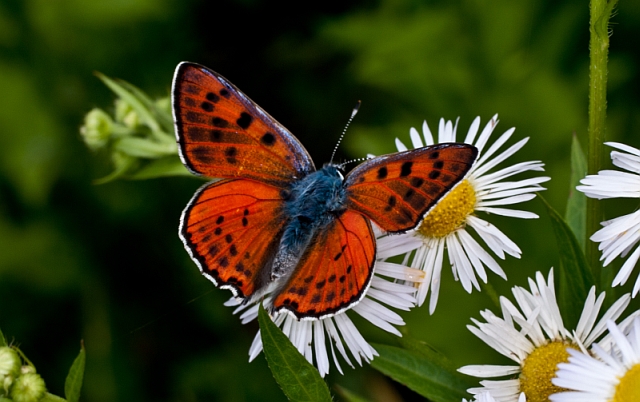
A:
534, 336
608, 375
619, 235
401, 287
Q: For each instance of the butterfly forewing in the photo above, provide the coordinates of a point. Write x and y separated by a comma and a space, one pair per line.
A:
222, 133
334, 272
397, 190
232, 229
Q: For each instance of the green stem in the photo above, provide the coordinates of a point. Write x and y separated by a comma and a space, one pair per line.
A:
600, 12
490, 291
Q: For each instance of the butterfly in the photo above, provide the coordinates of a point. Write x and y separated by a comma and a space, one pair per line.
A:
274, 225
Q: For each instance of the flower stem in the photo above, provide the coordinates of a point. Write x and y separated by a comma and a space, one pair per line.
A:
600, 12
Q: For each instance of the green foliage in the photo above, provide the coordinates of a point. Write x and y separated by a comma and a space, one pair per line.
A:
576, 212
421, 372
73, 383
299, 380
575, 277
139, 137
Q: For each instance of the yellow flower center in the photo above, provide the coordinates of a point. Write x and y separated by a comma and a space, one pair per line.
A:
539, 368
450, 213
628, 389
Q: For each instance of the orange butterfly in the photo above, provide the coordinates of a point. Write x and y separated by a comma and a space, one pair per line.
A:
276, 225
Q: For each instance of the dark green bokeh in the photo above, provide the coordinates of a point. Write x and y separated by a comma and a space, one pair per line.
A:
104, 263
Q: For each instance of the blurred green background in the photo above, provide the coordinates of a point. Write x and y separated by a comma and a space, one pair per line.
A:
104, 263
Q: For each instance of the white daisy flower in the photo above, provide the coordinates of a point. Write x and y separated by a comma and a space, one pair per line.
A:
619, 235
447, 225
606, 376
310, 337
533, 335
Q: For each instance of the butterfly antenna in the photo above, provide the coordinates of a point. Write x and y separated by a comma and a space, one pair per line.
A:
353, 114
343, 164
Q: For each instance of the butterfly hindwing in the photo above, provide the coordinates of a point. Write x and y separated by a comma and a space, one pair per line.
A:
334, 271
397, 190
222, 133
232, 229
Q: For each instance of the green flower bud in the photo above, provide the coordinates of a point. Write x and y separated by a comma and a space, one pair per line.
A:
97, 128
28, 388
123, 108
26, 369
9, 366
132, 120
126, 114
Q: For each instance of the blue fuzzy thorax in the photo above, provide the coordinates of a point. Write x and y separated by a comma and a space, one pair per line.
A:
313, 202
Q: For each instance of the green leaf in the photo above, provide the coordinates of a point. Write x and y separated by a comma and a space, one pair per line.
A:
139, 102
412, 344
73, 383
348, 395
161, 116
425, 376
575, 277
145, 148
3, 342
298, 379
49, 398
124, 164
168, 166
576, 212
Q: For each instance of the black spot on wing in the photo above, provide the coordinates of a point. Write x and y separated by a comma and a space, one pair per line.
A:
211, 97
225, 93
268, 139
207, 106
405, 170
434, 174
391, 203
219, 122
382, 173
202, 155
416, 181
230, 153
245, 120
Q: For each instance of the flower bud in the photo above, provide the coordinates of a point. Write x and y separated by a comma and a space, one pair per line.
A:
28, 388
26, 369
97, 128
9, 366
122, 109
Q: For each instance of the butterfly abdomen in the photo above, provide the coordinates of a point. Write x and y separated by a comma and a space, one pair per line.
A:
313, 203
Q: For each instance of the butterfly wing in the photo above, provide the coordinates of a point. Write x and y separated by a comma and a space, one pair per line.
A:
397, 190
334, 271
222, 133
232, 229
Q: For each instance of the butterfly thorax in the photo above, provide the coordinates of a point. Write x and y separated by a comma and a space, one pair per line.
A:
313, 203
